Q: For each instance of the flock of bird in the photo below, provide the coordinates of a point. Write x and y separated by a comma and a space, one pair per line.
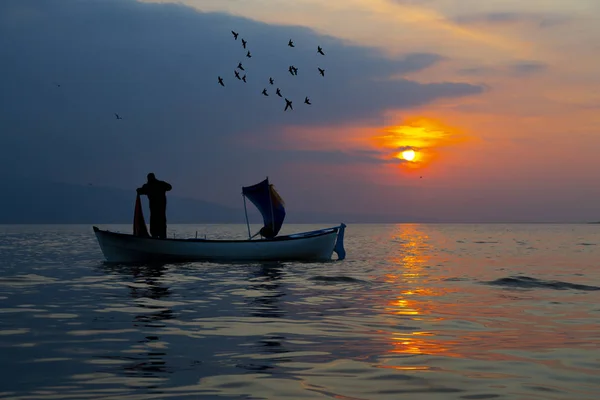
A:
293, 70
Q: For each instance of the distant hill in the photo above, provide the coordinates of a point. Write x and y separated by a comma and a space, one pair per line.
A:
31, 202
41, 202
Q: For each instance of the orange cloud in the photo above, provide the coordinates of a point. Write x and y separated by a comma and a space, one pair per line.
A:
425, 136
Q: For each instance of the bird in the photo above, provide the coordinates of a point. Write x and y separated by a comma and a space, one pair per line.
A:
244, 43
244, 78
248, 54
237, 74
290, 43
295, 70
235, 35
240, 66
57, 84
265, 92
321, 71
278, 93
320, 50
288, 104
118, 116
291, 70
221, 81
271, 81
307, 101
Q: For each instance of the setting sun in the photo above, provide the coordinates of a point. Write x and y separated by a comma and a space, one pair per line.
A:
418, 140
408, 155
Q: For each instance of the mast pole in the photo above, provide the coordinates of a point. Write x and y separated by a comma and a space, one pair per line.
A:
271, 203
246, 212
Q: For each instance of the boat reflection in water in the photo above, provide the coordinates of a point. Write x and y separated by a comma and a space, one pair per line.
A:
148, 356
266, 279
147, 285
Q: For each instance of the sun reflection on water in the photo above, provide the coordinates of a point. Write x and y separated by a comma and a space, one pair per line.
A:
414, 296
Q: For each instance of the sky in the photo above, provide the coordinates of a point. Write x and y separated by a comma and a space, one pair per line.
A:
499, 102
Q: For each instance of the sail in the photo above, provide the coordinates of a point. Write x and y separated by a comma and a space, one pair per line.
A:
269, 203
139, 224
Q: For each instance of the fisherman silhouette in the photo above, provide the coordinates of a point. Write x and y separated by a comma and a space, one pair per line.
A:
156, 191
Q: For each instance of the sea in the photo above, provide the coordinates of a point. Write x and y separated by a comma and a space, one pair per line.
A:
415, 311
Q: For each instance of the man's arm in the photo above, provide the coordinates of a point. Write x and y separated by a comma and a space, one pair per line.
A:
167, 186
142, 190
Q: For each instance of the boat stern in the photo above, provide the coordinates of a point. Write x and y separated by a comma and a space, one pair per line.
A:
339, 243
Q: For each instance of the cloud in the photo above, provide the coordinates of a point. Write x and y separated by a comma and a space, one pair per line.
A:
329, 157
517, 68
157, 66
527, 67
476, 71
542, 20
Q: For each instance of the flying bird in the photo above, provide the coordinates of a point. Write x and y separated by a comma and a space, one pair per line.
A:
221, 81
265, 92
290, 43
244, 78
235, 35
118, 116
321, 71
248, 54
271, 81
237, 74
244, 43
240, 67
295, 70
307, 101
320, 50
288, 104
291, 70
57, 84
278, 93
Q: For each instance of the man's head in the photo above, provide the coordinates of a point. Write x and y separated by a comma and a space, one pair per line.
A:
151, 177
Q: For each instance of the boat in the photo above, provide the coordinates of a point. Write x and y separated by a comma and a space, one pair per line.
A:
312, 246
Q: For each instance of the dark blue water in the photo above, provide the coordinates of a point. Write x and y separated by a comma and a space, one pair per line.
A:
415, 312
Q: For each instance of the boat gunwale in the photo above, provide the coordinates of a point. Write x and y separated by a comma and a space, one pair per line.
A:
293, 236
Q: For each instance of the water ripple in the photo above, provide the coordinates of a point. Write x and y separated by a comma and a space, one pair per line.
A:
528, 282
415, 311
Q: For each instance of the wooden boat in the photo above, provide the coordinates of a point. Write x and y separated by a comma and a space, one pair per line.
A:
317, 245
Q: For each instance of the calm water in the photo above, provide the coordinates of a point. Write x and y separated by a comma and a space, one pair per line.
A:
415, 312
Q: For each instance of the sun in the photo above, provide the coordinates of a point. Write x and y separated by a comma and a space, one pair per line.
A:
417, 141
408, 155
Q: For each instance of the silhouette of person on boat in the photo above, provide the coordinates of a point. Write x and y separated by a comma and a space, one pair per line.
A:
156, 190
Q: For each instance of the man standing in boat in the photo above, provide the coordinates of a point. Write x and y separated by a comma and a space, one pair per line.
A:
156, 191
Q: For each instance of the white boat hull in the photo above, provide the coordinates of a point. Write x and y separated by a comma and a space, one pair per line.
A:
306, 246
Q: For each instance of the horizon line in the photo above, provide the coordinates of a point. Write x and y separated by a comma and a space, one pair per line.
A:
328, 223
